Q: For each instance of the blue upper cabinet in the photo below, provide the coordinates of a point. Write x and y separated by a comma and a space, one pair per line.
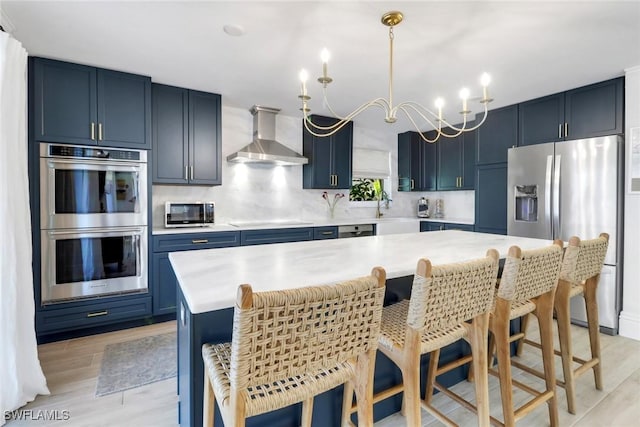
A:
496, 135
186, 136
124, 110
595, 110
330, 158
541, 120
457, 161
85, 105
585, 112
417, 163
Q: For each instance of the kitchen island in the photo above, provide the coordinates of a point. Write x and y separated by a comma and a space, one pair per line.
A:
208, 281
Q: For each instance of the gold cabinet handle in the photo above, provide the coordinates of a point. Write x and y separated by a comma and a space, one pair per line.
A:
98, 313
461, 182
412, 182
186, 172
566, 129
99, 131
336, 184
93, 131
191, 169
200, 241
560, 130
327, 233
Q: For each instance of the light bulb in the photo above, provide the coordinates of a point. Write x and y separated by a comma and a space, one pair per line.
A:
304, 76
464, 94
485, 79
325, 55
439, 104
303, 79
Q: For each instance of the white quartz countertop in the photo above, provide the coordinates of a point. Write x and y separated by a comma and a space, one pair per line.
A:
257, 225
209, 278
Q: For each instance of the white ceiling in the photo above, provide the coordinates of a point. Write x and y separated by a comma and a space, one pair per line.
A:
531, 48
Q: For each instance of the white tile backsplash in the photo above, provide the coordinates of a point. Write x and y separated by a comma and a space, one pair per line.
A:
252, 191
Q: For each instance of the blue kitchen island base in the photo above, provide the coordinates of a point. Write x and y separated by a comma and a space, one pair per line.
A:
216, 326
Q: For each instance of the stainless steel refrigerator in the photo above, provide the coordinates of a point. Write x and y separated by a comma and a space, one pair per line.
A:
572, 188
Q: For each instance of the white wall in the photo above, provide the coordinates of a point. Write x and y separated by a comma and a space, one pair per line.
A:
256, 192
630, 316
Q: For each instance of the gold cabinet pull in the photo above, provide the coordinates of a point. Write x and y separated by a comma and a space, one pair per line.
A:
412, 182
191, 169
98, 313
93, 131
200, 241
336, 184
186, 172
327, 233
99, 131
560, 130
461, 182
566, 129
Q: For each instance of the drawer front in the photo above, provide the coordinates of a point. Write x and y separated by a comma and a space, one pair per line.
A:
320, 233
275, 235
190, 241
93, 314
463, 227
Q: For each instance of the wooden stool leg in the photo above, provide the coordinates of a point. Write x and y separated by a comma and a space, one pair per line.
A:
478, 339
411, 378
564, 335
209, 402
347, 401
544, 313
364, 387
500, 330
594, 328
524, 323
434, 358
307, 412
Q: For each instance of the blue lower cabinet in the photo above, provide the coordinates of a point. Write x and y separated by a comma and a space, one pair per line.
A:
321, 233
431, 226
439, 226
463, 227
163, 279
97, 312
275, 235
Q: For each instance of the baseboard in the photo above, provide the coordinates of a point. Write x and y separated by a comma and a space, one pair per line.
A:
629, 325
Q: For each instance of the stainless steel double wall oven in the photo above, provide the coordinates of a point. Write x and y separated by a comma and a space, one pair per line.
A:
93, 220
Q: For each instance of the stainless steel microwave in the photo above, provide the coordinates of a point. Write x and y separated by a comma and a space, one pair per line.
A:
192, 214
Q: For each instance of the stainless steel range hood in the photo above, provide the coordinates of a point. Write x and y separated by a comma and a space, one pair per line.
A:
265, 148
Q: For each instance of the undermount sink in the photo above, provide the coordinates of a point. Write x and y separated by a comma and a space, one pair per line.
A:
277, 222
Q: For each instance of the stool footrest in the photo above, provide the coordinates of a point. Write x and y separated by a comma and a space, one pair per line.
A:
457, 398
586, 366
532, 404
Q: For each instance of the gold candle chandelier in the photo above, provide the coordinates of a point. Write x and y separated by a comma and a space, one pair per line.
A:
409, 108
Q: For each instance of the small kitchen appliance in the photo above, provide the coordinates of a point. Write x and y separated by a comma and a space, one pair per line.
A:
188, 214
423, 208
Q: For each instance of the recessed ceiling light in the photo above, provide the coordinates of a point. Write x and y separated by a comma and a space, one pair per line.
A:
234, 30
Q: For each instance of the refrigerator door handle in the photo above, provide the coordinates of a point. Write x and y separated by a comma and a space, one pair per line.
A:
556, 199
547, 191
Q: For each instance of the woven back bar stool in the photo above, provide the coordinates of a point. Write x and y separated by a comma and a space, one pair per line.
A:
448, 303
580, 274
288, 346
527, 285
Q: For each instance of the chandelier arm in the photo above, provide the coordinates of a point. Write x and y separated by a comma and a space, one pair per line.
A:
418, 108
331, 130
415, 125
380, 102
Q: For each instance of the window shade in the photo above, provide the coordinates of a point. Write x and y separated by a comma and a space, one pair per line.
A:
369, 163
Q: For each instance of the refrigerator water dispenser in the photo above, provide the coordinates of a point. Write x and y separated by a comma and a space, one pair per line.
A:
526, 203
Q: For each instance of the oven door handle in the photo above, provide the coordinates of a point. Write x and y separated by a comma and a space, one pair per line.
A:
100, 164
116, 231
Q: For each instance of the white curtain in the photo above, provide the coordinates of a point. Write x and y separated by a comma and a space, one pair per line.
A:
21, 377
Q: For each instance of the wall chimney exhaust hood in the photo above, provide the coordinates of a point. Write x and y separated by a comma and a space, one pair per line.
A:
265, 148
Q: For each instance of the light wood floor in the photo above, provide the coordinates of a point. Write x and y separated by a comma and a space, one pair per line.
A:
72, 368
